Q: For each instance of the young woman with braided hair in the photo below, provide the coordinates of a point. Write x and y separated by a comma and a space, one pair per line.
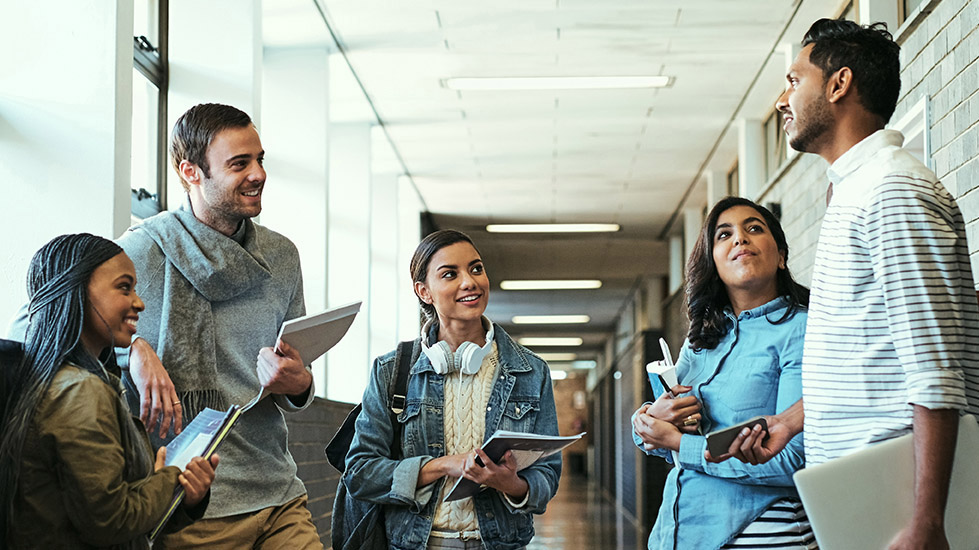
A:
76, 471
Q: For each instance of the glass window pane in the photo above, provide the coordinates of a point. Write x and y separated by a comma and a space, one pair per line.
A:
145, 18
144, 158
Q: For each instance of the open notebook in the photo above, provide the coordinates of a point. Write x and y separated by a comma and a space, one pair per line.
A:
862, 500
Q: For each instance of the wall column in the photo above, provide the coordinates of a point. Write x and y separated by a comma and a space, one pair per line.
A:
295, 134
349, 255
751, 157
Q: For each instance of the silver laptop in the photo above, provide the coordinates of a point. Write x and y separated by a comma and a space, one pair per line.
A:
862, 500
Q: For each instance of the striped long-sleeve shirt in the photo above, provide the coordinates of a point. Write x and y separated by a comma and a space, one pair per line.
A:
893, 319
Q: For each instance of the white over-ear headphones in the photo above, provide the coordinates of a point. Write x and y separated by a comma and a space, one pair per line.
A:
467, 357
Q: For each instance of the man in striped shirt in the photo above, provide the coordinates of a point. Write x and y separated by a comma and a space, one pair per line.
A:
892, 340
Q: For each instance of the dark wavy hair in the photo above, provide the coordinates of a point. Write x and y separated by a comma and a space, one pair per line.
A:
57, 285
194, 130
871, 54
706, 295
423, 257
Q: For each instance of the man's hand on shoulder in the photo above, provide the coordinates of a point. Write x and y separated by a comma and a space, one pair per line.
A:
283, 372
157, 396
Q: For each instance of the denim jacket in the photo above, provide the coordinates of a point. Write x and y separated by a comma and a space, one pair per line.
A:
756, 369
521, 400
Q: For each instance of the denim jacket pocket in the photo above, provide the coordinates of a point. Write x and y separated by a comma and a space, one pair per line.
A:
412, 431
520, 415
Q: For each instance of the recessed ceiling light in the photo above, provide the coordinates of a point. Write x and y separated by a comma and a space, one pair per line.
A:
584, 364
558, 356
556, 83
541, 284
549, 341
553, 227
559, 374
549, 319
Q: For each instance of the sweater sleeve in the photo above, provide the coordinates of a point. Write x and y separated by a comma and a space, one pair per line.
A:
80, 423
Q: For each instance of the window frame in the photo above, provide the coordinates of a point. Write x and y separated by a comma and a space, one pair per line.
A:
151, 60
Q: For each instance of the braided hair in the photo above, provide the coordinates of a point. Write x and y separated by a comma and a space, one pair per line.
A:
57, 285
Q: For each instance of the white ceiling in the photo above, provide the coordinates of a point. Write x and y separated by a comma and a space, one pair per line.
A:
621, 156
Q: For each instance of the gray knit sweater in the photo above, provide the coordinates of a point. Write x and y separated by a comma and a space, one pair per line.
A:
211, 304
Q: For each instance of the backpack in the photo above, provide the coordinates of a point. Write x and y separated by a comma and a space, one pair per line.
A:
358, 524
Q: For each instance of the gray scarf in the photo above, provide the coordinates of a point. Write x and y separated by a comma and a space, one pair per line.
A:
204, 266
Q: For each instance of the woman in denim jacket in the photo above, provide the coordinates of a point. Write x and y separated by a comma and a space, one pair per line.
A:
471, 380
743, 358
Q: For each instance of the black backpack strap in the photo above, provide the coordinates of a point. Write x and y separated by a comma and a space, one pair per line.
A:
403, 361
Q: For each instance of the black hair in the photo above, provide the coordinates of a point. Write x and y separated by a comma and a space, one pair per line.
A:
871, 54
194, 130
706, 295
423, 257
57, 285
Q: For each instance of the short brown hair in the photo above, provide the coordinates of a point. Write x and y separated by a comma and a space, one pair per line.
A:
194, 130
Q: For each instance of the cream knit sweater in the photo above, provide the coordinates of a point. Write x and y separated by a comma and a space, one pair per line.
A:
464, 419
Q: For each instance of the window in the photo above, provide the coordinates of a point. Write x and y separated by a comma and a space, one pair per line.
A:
149, 151
775, 153
906, 8
914, 125
733, 181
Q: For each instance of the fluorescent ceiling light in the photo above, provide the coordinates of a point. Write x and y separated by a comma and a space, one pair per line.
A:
549, 341
556, 82
559, 374
553, 227
584, 364
558, 356
549, 319
566, 284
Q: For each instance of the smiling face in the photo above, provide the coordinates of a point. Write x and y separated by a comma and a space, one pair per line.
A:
746, 256
804, 107
456, 284
234, 190
112, 306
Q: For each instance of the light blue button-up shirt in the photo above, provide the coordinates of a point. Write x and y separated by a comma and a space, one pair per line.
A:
756, 369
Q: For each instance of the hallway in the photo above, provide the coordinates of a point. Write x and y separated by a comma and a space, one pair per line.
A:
580, 518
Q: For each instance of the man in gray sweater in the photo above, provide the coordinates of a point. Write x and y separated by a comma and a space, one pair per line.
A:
217, 287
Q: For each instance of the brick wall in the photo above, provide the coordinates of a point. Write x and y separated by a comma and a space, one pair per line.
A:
939, 58
309, 432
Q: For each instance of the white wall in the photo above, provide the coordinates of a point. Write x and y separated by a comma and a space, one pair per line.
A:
295, 135
65, 111
349, 250
215, 57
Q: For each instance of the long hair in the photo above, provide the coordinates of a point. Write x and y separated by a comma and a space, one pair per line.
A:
57, 285
706, 295
423, 257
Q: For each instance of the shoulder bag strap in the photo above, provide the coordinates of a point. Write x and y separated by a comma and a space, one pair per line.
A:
403, 361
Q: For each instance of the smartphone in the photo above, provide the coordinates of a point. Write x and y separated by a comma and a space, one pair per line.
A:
719, 441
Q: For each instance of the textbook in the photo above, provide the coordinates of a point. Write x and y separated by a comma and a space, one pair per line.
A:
312, 336
527, 449
200, 438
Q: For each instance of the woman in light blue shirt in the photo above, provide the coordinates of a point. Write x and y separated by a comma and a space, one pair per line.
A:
742, 358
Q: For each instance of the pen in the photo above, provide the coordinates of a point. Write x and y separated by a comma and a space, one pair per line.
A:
668, 359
